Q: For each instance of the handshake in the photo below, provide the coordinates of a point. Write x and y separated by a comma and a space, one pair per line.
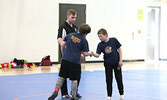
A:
90, 53
93, 54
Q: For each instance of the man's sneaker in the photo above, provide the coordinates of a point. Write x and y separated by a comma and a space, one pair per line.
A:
78, 95
53, 96
66, 97
121, 97
108, 98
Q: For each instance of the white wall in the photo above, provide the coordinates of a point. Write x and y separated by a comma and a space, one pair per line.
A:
9, 18
28, 28
38, 30
163, 35
119, 17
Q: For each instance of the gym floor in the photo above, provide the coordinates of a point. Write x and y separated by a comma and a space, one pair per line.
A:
142, 81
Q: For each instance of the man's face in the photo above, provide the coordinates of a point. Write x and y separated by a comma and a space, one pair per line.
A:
71, 18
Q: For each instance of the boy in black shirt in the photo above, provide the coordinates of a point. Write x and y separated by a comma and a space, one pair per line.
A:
111, 48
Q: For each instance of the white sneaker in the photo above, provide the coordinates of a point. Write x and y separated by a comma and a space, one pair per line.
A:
108, 98
121, 97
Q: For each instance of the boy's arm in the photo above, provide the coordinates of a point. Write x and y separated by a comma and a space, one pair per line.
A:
120, 57
96, 55
63, 44
90, 53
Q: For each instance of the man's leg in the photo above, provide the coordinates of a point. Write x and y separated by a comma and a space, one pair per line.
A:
64, 90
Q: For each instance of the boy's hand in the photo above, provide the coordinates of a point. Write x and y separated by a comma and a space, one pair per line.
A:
91, 53
95, 55
120, 63
82, 57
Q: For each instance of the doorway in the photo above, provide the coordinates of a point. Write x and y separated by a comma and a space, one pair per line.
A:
81, 16
153, 34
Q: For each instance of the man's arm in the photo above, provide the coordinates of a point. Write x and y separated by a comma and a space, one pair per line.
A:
61, 35
63, 44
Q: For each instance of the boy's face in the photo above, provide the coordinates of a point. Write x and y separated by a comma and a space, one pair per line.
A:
102, 37
71, 18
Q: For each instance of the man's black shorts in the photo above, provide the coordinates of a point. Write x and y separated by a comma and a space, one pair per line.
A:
70, 70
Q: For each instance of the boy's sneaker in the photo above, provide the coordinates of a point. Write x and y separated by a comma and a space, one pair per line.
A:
108, 98
53, 96
74, 98
78, 95
66, 97
121, 97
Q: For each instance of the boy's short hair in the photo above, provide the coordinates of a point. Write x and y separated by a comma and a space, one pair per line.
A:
71, 11
84, 29
102, 31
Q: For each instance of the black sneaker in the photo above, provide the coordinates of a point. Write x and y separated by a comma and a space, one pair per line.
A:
66, 97
53, 96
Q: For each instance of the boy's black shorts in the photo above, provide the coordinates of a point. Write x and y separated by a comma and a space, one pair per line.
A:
70, 70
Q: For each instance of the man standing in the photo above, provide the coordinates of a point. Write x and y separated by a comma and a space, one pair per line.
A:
66, 28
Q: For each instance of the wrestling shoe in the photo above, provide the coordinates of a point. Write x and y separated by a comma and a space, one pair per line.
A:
78, 95
53, 96
74, 98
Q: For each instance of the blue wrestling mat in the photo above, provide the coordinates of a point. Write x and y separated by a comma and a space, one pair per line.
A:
138, 84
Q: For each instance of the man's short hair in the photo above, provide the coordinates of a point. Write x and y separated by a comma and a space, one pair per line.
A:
71, 11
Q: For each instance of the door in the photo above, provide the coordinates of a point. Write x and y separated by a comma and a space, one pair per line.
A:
81, 15
153, 33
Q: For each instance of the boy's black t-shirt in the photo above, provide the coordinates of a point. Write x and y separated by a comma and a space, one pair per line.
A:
110, 51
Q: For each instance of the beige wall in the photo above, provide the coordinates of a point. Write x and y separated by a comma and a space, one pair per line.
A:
28, 28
